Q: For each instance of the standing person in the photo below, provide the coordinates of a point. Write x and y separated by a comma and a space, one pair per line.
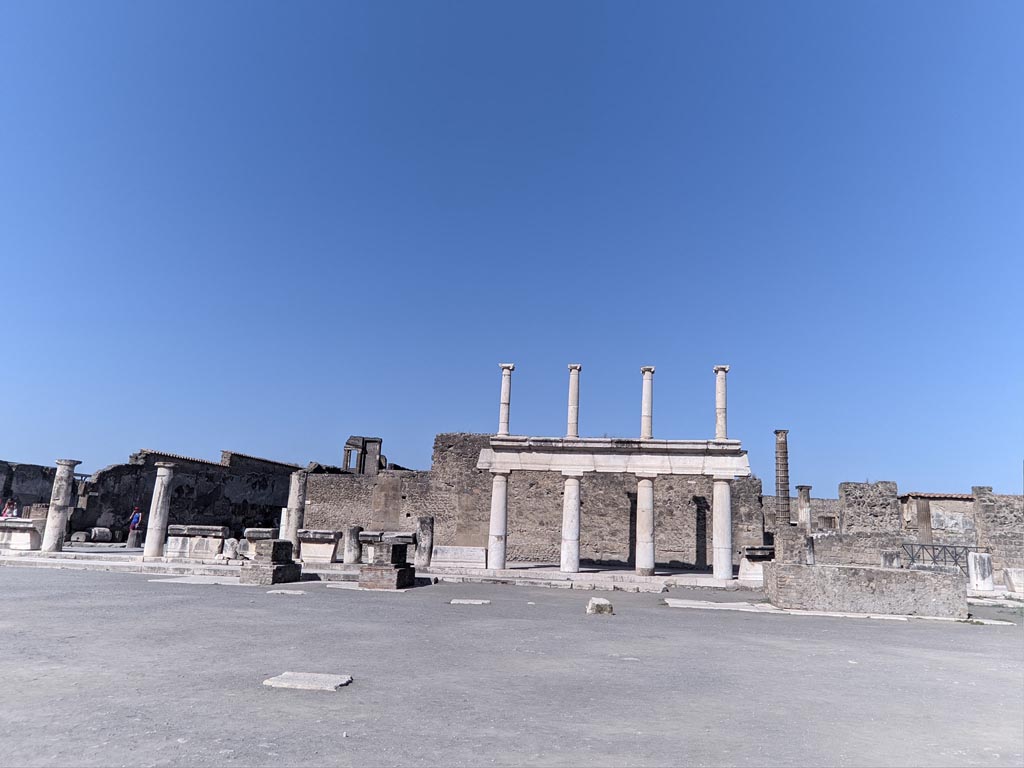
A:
10, 508
136, 518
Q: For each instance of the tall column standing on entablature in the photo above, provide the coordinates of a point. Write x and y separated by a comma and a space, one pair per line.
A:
498, 533
647, 403
60, 506
645, 525
570, 561
721, 531
159, 511
781, 478
506, 396
573, 426
721, 429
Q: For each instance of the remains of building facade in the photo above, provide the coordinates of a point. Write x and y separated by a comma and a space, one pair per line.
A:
644, 503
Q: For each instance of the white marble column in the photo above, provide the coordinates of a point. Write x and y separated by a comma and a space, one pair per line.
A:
573, 425
645, 525
498, 532
60, 506
647, 403
293, 516
721, 533
506, 396
571, 525
721, 430
159, 511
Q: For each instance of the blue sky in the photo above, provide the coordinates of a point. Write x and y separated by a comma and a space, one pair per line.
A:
266, 226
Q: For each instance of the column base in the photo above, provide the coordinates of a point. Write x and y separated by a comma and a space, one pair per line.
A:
644, 571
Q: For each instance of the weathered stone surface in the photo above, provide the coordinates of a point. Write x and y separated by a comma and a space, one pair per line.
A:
459, 557
424, 542
177, 546
979, 571
751, 570
386, 576
134, 539
100, 535
1013, 579
272, 551
80, 536
177, 530
308, 681
230, 549
319, 536
20, 535
319, 551
204, 547
213, 531
387, 553
854, 589
891, 559
259, 534
265, 573
599, 605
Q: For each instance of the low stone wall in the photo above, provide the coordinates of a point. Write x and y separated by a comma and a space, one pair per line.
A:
852, 589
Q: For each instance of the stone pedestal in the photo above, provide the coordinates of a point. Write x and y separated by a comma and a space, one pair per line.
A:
979, 571
20, 535
319, 546
424, 542
271, 564
353, 547
60, 506
387, 567
134, 540
205, 542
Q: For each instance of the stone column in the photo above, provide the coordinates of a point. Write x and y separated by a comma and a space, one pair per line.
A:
803, 508
573, 427
60, 506
570, 562
159, 511
781, 479
506, 396
498, 532
721, 534
645, 525
647, 403
295, 513
353, 549
721, 429
424, 542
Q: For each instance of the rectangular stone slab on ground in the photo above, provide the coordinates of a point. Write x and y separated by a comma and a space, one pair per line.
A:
308, 681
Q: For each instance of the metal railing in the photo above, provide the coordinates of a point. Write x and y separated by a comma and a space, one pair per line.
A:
940, 554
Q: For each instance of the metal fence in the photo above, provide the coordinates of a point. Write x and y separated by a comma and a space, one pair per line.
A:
940, 554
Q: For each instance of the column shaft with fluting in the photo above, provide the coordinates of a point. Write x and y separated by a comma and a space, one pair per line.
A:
781, 478
506, 397
721, 532
498, 531
721, 425
570, 560
159, 511
573, 421
645, 526
60, 506
647, 403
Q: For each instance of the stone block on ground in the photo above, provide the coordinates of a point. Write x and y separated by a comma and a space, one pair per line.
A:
230, 550
100, 534
79, 537
265, 574
319, 546
386, 576
134, 540
459, 557
751, 570
1013, 579
272, 551
176, 546
979, 571
204, 547
458, 601
20, 535
259, 534
599, 605
308, 681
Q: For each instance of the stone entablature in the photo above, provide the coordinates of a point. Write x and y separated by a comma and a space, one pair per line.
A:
616, 455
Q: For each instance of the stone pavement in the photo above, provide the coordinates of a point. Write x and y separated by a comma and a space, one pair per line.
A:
114, 669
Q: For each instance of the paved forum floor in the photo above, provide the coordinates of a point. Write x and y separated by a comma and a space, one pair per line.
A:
112, 669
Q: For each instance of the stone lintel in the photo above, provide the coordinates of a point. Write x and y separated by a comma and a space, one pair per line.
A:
306, 534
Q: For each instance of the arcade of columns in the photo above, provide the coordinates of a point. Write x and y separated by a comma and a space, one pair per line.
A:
645, 458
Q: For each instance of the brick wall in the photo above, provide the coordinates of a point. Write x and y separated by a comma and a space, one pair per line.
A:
854, 589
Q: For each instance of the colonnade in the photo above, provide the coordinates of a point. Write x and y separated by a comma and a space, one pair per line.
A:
645, 518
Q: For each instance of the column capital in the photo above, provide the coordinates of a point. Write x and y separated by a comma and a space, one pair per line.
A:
645, 475
723, 478
164, 465
68, 462
721, 369
781, 432
647, 369
575, 367
569, 475
505, 472
803, 487
507, 367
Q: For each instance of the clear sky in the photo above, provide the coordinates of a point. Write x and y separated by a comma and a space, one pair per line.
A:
265, 226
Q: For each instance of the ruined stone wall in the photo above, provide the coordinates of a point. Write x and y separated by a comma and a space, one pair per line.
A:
865, 590
458, 495
869, 507
999, 521
27, 483
857, 548
200, 495
819, 508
